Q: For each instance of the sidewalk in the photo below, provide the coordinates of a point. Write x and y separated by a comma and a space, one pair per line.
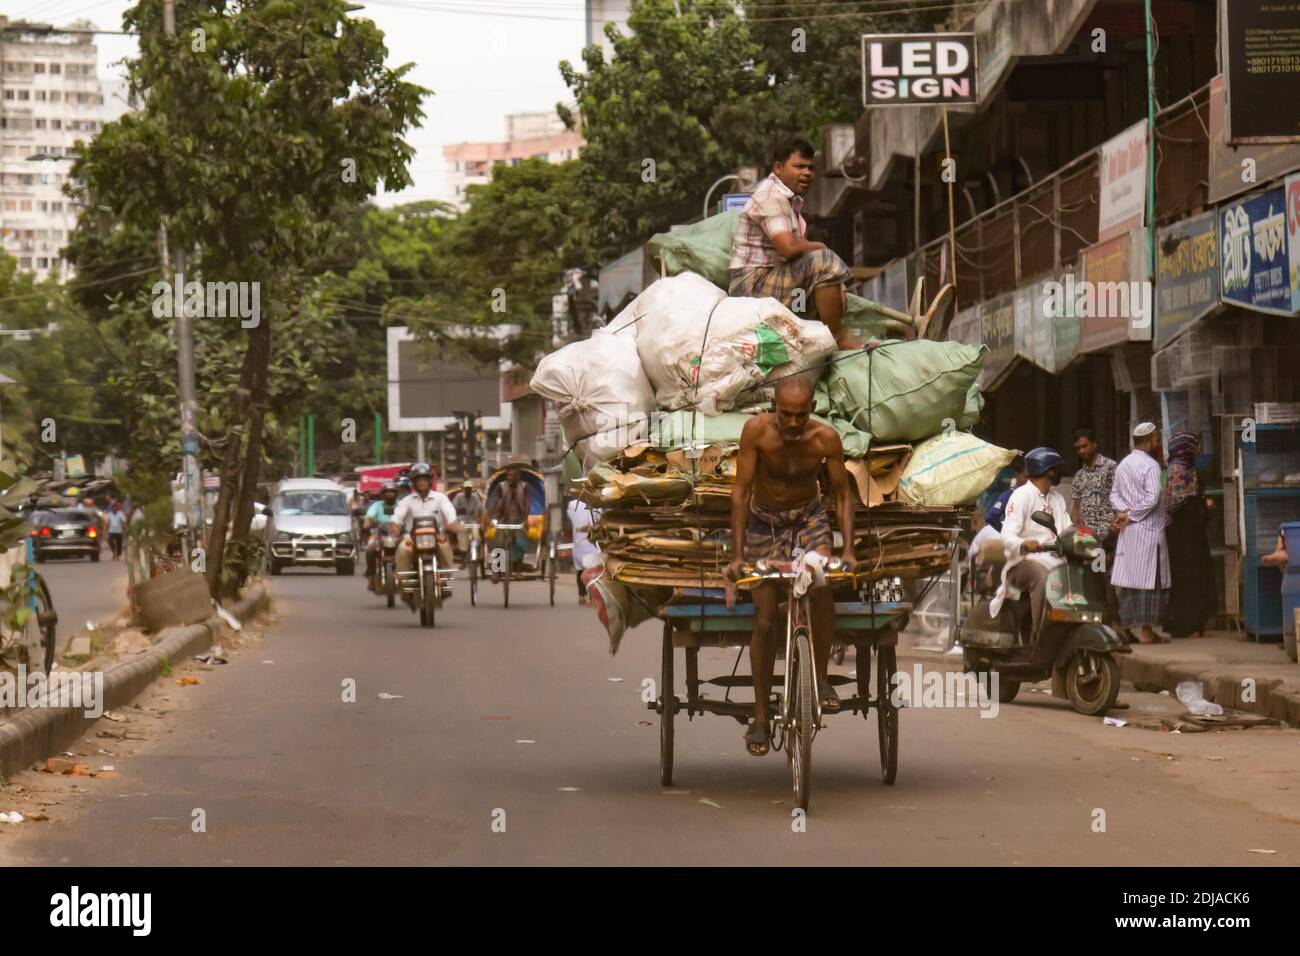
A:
1223, 663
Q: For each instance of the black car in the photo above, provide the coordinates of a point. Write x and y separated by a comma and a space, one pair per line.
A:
65, 531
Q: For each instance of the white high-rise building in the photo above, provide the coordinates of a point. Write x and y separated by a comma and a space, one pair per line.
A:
51, 99
601, 12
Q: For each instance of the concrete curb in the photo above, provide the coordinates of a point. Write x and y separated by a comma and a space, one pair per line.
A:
37, 734
1222, 683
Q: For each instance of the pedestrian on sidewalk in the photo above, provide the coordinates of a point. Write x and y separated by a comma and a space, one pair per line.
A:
580, 519
1090, 502
1193, 599
1141, 571
116, 528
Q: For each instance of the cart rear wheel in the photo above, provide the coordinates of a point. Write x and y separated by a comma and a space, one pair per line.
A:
667, 710
886, 713
550, 573
801, 711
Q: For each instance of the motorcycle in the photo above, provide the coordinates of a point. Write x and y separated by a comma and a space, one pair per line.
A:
1073, 645
385, 576
427, 585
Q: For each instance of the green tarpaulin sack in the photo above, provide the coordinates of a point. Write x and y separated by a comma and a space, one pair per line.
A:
704, 248
905, 391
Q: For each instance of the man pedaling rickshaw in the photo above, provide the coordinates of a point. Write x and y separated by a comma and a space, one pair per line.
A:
379, 513
776, 510
423, 502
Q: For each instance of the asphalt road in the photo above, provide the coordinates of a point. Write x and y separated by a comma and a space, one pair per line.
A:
522, 714
83, 591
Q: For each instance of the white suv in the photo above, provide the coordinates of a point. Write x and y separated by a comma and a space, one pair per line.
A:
310, 526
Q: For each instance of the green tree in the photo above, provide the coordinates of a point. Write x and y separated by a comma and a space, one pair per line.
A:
260, 121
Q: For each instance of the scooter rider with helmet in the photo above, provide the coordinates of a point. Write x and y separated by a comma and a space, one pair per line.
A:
424, 502
1024, 540
379, 513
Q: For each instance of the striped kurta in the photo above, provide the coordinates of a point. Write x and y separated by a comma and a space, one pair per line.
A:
1141, 545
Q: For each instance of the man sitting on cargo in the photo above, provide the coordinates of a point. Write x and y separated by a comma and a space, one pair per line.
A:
776, 510
771, 257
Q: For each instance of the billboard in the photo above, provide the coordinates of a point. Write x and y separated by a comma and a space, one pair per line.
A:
1261, 63
918, 69
427, 384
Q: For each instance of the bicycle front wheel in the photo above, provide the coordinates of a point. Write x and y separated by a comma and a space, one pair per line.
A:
800, 736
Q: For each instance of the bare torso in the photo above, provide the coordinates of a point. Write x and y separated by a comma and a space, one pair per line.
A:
785, 475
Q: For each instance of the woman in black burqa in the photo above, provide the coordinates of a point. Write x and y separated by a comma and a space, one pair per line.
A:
1194, 596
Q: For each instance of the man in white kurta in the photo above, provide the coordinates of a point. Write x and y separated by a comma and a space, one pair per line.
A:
1023, 539
1141, 572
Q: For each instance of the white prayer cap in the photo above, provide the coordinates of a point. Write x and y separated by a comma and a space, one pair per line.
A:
1143, 430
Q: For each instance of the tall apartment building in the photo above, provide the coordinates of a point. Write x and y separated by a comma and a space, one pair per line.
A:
601, 12
528, 135
51, 99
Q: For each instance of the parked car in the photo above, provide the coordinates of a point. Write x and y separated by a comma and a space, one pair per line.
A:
310, 526
65, 531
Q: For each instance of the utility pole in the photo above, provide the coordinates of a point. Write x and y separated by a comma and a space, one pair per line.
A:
190, 473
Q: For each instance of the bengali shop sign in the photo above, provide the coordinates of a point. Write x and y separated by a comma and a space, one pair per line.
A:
1293, 238
1123, 183
1187, 275
1254, 258
998, 321
1025, 323
1113, 304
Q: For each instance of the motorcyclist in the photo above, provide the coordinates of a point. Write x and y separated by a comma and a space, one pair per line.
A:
379, 513
1024, 539
423, 502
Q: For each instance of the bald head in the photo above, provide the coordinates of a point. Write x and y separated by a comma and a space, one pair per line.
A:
795, 389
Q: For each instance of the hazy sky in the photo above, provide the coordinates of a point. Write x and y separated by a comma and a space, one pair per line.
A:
481, 58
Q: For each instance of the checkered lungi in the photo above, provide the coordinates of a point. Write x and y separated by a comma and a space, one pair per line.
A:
774, 534
1140, 607
810, 271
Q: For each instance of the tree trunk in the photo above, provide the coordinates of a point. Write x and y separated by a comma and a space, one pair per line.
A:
260, 345
229, 474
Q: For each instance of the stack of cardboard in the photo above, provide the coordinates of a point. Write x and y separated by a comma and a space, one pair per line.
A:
666, 517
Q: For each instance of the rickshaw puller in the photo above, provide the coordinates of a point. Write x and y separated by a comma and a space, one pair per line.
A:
776, 509
510, 506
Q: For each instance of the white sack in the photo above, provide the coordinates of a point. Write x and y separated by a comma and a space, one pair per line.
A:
678, 300
747, 340
600, 391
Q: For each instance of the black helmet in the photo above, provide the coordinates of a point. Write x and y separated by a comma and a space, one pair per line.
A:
1040, 461
403, 483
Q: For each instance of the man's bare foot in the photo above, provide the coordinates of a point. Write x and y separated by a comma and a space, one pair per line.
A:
758, 738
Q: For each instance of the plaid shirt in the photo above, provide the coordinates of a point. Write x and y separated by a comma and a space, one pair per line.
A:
1091, 487
773, 208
